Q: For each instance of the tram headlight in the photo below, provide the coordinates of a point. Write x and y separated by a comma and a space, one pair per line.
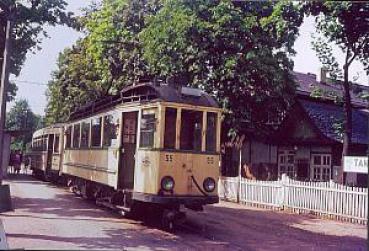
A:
167, 183
209, 185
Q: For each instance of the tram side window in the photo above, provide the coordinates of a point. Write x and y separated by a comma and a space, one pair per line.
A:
191, 126
170, 128
147, 129
211, 132
96, 132
110, 131
56, 144
68, 133
76, 134
85, 134
44, 143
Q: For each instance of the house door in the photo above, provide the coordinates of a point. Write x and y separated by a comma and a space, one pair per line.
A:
129, 142
50, 147
302, 169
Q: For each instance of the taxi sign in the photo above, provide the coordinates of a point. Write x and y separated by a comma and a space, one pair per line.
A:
355, 164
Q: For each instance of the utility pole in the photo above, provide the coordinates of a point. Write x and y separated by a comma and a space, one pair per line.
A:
3, 89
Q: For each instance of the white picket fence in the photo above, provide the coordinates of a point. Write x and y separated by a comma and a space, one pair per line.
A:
320, 198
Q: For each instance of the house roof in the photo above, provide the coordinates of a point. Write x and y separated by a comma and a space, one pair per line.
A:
328, 118
307, 83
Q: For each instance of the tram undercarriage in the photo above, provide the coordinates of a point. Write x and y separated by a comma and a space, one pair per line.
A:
122, 202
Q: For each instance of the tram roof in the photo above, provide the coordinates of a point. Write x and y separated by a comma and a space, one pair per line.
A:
148, 92
48, 130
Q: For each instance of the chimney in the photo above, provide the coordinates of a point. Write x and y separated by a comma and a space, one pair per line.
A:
322, 75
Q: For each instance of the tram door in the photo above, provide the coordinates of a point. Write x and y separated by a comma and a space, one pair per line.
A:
129, 138
50, 147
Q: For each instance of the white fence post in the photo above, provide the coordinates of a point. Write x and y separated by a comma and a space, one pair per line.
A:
284, 190
322, 198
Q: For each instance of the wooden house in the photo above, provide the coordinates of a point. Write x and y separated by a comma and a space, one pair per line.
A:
307, 144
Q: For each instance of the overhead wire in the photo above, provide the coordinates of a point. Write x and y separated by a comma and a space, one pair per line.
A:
28, 82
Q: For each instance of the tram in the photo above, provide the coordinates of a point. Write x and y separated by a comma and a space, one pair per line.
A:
153, 145
47, 152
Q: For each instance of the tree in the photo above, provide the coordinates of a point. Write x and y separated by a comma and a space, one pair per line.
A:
237, 50
346, 25
29, 17
109, 57
113, 40
20, 117
76, 80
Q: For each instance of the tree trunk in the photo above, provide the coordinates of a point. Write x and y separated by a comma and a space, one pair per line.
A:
347, 115
347, 121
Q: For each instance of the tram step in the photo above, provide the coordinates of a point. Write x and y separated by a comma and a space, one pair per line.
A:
121, 209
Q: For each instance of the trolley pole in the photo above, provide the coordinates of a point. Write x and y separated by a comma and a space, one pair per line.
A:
3, 89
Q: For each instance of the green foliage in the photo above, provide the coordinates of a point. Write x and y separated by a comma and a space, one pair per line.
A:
113, 42
239, 51
346, 25
76, 80
29, 18
318, 92
109, 57
21, 118
236, 50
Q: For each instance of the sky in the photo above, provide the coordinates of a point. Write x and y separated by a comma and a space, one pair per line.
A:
39, 66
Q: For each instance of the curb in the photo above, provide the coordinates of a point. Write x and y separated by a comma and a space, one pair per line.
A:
3, 242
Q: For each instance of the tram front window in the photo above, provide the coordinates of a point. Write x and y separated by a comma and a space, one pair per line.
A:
148, 128
191, 127
170, 128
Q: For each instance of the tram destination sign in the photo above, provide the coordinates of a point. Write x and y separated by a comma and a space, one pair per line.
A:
355, 164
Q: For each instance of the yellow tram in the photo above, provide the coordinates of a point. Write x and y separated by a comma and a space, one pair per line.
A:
47, 151
153, 145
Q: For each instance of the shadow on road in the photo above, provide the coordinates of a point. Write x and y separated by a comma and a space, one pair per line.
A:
230, 227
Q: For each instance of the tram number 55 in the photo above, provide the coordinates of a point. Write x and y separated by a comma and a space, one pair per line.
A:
168, 157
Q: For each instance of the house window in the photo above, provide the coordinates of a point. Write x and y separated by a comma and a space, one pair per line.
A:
321, 167
286, 165
275, 118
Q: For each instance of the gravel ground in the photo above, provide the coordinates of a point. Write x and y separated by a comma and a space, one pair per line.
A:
50, 217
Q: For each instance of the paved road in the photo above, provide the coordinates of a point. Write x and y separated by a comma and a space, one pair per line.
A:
50, 217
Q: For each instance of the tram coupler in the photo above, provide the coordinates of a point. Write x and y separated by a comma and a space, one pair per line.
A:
170, 218
195, 207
